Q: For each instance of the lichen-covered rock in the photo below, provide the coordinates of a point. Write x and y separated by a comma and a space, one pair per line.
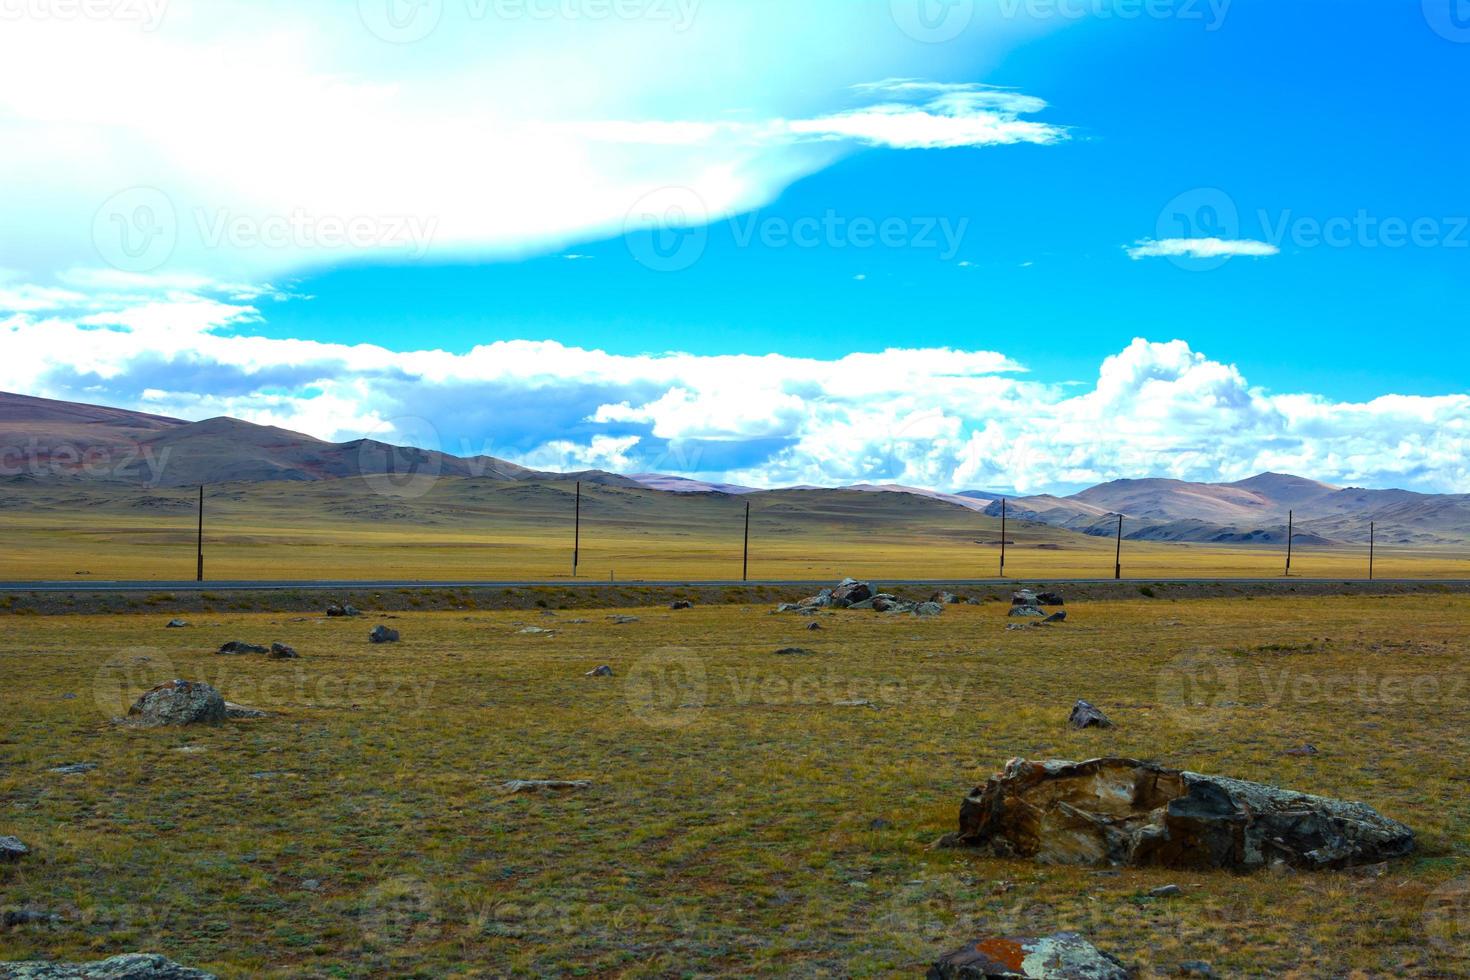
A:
11, 849
928, 609
179, 703
1126, 812
1065, 956
133, 966
382, 634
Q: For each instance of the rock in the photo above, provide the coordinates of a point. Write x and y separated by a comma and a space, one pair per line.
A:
603, 671
545, 785
279, 651
1051, 599
132, 966
1307, 749
335, 611
179, 703
238, 712
850, 591
235, 648
1060, 617
813, 626
1025, 597
176, 624
382, 634
537, 631
945, 598
75, 768
1032, 611
928, 609
11, 849
1166, 891
681, 604
312, 885
795, 652
1065, 956
1197, 968
1125, 812
1085, 715
13, 918
623, 620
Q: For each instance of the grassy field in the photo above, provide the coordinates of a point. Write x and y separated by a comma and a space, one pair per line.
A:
745, 814
471, 530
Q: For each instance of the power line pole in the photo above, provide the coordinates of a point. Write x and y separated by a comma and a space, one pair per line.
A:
1002, 537
1118, 563
1372, 546
1290, 536
745, 565
200, 576
577, 539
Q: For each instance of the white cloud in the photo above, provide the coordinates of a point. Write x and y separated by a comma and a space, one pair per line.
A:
948, 419
1200, 248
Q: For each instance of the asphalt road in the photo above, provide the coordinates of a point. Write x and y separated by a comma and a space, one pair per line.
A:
339, 586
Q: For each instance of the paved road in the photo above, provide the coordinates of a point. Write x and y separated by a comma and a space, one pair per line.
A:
342, 586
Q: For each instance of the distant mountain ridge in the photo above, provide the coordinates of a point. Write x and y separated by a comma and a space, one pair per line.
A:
46, 440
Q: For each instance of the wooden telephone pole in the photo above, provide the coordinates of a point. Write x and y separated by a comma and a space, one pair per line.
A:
1118, 562
745, 564
1372, 546
200, 572
577, 538
1290, 536
1002, 537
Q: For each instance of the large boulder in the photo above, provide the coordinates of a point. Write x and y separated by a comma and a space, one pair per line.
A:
850, 591
1126, 812
1026, 603
382, 634
179, 703
133, 966
1065, 956
1086, 715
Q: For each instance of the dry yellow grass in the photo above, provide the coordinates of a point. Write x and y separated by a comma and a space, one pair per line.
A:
729, 825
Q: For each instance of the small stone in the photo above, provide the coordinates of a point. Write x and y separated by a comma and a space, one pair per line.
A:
537, 631
239, 712
1307, 749
1051, 599
11, 849
623, 620
545, 785
603, 671
176, 624
13, 918
1166, 891
813, 626
1085, 715
795, 652
382, 634
681, 604
75, 768
1060, 617
236, 648
279, 651
312, 885
1197, 968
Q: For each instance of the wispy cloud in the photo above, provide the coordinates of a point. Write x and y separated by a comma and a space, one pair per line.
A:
1200, 248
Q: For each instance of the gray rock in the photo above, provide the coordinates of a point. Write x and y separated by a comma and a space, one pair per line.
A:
545, 785
1166, 891
1085, 715
813, 626
795, 652
1304, 750
928, 609
179, 703
239, 712
334, 611
537, 631
11, 849
312, 885
1197, 968
1065, 956
75, 768
12, 918
1060, 617
945, 598
603, 671
1051, 599
849, 591
1034, 612
279, 651
133, 966
176, 624
236, 648
382, 634
1125, 812
681, 604
1025, 597
623, 620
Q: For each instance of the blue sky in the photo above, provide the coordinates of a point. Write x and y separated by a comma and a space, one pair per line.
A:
1044, 183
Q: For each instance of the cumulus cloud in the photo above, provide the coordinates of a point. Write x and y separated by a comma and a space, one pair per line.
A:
1200, 248
942, 418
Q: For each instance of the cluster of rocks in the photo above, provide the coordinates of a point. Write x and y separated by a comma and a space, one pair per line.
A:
1116, 811
1026, 604
852, 594
276, 651
335, 611
132, 966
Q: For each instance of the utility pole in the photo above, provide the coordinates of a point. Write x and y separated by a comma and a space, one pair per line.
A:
200, 577
577, 539
1002, 537
1372, 546
1118, 563
745, 565
1290, 536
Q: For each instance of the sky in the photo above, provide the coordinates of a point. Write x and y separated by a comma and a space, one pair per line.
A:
1015, 245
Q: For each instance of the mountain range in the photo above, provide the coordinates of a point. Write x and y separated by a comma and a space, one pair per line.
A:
43, 441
